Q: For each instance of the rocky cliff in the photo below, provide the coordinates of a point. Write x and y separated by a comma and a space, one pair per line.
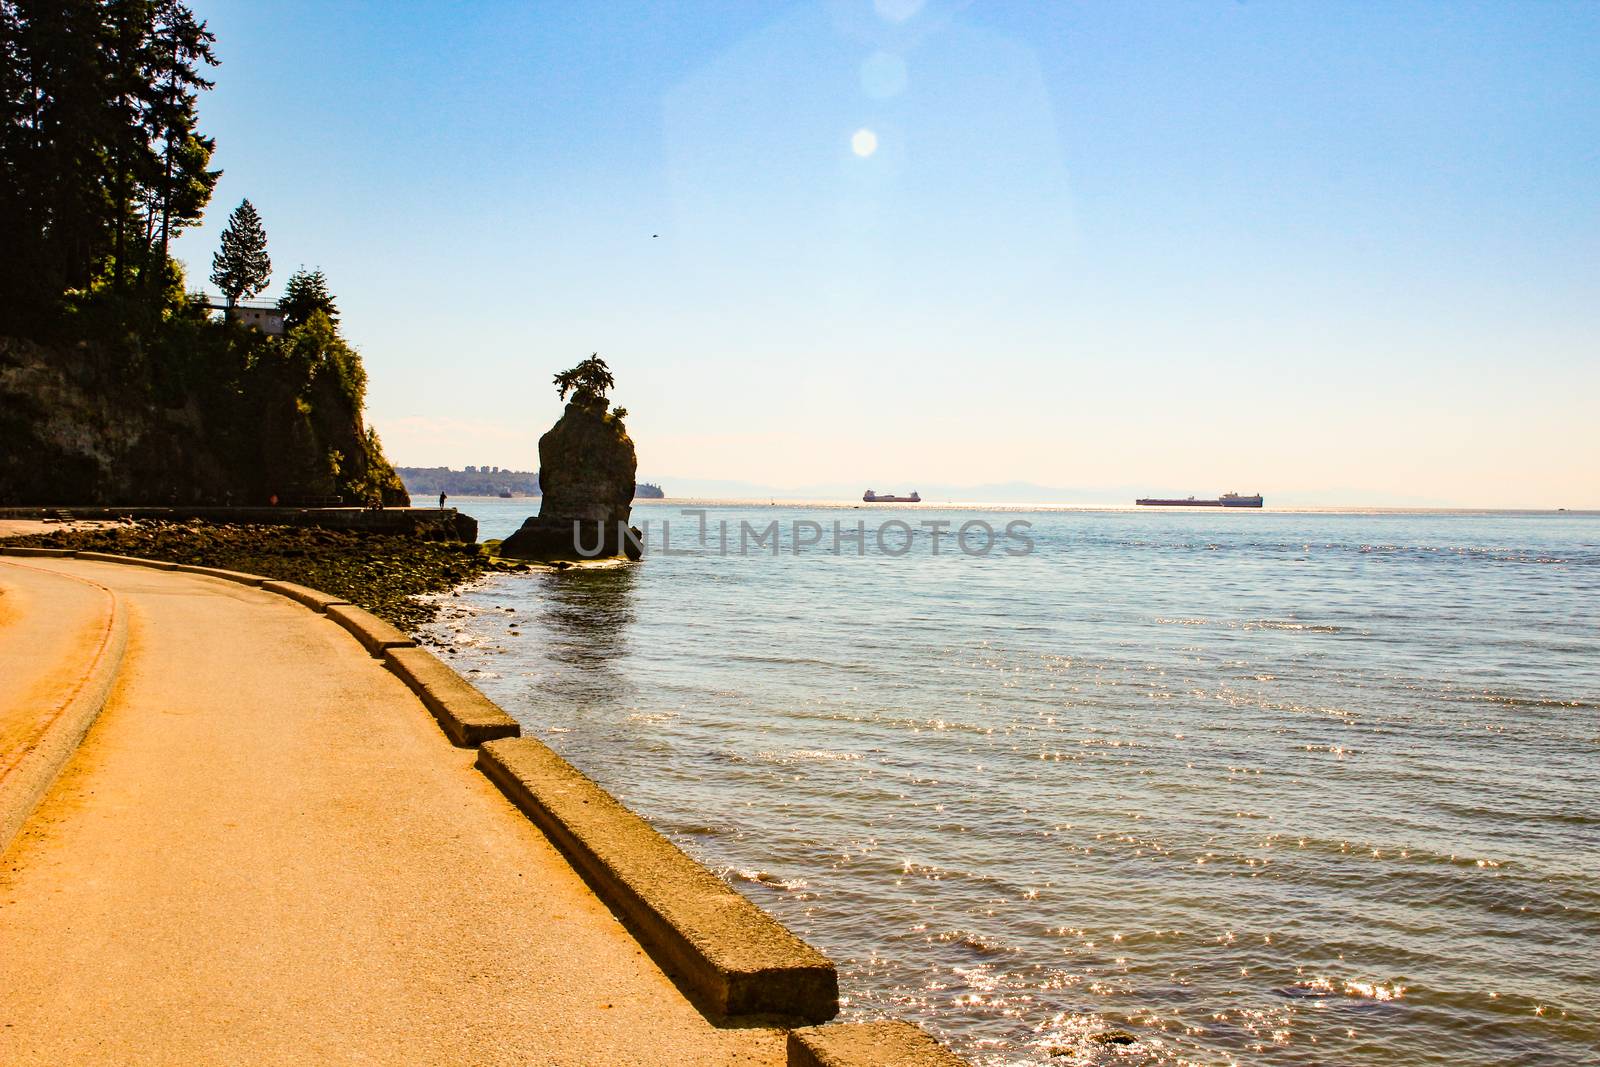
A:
587, 465
201, 414
586, 472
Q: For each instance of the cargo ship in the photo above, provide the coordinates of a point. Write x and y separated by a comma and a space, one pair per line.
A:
889, 498
1226, 500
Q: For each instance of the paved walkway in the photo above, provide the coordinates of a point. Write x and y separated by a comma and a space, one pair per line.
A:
19, 527
266, 852
51, 632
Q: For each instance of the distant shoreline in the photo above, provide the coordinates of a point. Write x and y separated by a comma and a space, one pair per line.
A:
1026, 506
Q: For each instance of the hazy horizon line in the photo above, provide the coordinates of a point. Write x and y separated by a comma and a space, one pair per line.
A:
1022, 493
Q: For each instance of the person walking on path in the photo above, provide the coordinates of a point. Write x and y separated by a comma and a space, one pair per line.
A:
441, 501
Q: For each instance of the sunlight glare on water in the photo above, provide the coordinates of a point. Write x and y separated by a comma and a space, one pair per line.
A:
1174, 788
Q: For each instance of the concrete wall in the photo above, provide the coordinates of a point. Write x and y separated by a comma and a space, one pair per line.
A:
447, 523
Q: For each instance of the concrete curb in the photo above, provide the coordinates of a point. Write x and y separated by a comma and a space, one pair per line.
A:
467, 716
107, 557
27, 781
314, 599
885, 1043
738, 959
24, 550
216, 572
375, 635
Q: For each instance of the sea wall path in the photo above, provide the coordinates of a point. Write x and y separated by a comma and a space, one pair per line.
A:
264, 850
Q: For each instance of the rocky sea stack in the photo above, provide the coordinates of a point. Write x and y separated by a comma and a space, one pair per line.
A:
587, 467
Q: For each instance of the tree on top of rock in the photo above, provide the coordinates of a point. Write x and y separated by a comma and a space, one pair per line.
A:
588, 382
307, 292
242, 267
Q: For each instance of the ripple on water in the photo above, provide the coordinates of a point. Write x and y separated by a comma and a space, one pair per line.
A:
1297, 789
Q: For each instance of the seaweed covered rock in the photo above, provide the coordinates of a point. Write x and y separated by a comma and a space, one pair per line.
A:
587, 467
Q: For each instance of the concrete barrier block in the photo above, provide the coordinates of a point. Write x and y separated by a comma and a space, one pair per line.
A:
25, 550
467, 716
728, 953
34, 764
373, 633
217, 572
884, 1043
107, 557
314, 599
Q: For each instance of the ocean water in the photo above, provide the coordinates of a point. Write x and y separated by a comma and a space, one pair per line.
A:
1173, 787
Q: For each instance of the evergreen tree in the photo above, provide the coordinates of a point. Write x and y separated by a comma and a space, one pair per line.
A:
53, 200
180, 193
241, 268
129, 162
101, 160
307, 292
588, 382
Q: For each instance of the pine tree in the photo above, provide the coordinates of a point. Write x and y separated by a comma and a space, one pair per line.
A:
588, 382
241, 268
54, 147
178, 196
307, 292
129, 162
101, 160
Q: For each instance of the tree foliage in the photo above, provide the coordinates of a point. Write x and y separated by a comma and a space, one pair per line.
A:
177, 200
241, 267
101, 160
307, 292
588, 382
102, 164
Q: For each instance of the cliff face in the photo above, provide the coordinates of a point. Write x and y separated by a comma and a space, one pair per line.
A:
206, 416
67, 434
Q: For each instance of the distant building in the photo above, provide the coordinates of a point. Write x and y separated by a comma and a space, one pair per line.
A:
262, 314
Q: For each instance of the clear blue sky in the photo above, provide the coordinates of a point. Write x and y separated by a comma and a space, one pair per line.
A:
1331, 252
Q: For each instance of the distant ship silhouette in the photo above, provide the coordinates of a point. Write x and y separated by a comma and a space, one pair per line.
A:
1226, 500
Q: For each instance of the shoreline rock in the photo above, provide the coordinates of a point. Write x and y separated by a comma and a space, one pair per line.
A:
587, 471
570, 540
